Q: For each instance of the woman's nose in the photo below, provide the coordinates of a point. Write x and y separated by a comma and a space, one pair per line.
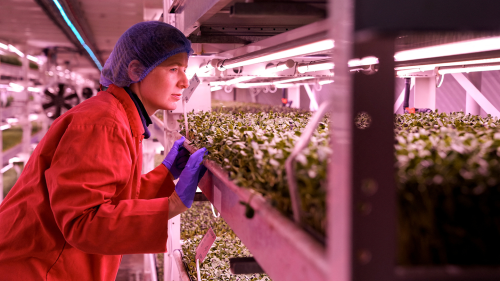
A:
184, 82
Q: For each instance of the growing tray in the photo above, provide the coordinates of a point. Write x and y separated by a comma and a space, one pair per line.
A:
283, 250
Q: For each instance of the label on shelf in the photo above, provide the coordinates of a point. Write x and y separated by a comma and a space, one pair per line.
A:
193, 84
205, 244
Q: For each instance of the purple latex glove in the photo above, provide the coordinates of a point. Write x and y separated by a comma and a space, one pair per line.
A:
190, 176
177, 157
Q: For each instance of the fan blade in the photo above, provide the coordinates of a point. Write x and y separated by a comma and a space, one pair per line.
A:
57, 113
47, 105
67, 106
61, 90
72, 96
51, 95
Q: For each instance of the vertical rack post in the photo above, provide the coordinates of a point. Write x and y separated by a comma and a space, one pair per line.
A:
372, 177
361, 187
25, 122
170, 271
339, 183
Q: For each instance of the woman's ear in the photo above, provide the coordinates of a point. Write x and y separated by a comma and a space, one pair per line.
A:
134, 70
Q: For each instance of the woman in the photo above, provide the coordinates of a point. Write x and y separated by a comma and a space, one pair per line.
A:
81, 201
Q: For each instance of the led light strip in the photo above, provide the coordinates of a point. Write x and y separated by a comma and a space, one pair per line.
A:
70, 24
457, 48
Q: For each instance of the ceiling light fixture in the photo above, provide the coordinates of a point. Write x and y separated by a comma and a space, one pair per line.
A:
216, 88
315, 66
77, 34
3, 46
318, 46
444, 50
427, 67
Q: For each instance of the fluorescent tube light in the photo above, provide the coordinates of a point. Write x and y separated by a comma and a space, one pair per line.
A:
77, 34
216, 88
15, 50
253, 85
32, 58
33, 117
319, 46
283, 86
278, 84
308, 67
457, 48
469, 69
5, 127
324, 82
370, 60
432, 66
12, 120
16, 87
33, 89
232, 81
3, 46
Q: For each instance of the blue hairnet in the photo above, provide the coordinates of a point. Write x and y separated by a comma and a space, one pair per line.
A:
150, 43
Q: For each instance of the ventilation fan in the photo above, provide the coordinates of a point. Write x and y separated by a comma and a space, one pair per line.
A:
59, 100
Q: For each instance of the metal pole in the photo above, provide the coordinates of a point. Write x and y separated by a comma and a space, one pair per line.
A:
406, 102
339, 209
26, 124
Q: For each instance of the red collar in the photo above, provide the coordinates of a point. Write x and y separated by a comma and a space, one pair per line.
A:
130, 109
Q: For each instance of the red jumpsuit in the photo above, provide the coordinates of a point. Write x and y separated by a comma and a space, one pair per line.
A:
81, 201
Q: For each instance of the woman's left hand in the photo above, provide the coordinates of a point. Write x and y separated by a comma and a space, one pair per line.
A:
177, 157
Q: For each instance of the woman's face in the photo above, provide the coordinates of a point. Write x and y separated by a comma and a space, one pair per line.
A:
162, 87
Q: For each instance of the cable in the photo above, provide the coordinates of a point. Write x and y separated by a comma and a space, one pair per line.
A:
213, 211
442, 79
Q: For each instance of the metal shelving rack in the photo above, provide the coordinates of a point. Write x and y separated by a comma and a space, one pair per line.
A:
360, 244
